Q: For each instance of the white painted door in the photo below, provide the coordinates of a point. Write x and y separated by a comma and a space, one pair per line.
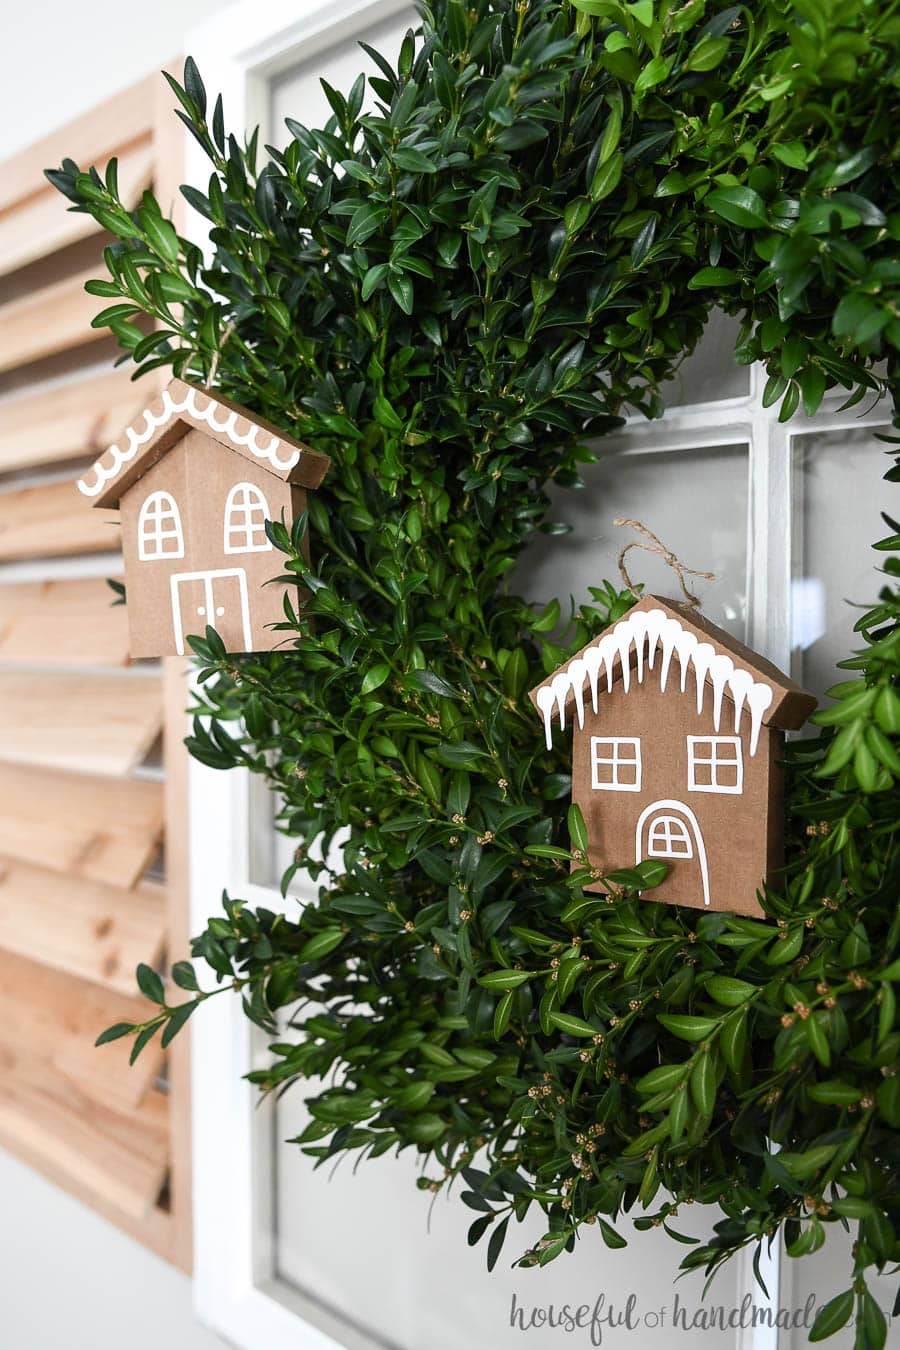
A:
215, 598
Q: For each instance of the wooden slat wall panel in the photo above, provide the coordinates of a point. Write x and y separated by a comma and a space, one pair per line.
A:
95, 932
39, 227
87, 628
176, 727
170, 139
70, 420
124, 120
121, 1155
89, 828
55, 1018
96, 723
76, 832
51, 320
52, 520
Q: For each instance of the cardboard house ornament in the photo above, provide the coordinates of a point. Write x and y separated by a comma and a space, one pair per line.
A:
678, 733
195, 478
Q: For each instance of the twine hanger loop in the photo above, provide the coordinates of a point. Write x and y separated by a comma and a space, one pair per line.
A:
656, 545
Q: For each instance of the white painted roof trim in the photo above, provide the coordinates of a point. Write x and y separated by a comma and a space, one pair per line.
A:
205, 409
649, 630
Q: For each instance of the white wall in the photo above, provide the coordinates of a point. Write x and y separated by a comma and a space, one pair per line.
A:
68, 1279
60, 58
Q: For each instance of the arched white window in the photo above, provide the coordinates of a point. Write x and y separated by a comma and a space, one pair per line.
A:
246, 513
669, 838
159, 528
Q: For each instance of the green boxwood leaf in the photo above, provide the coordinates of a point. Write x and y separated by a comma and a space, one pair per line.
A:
729, 991
713, 276
835, 1314
320, 944
375, 677
504, 979
150, 984
739, 206
573, 1026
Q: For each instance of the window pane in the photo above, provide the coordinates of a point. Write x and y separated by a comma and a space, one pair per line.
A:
711, 373
298, 93
695, 501
839, 492
270, 852
814, 1281
363, 1246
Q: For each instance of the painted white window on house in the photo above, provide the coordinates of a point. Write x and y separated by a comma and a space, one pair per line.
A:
246, 513
159, 528
616, 763
669, 838
715, 764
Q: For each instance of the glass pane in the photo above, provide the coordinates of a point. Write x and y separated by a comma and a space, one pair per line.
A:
383, 1256
271, 852
809, 1282
298, 93
711, 372
839, 492
695, 501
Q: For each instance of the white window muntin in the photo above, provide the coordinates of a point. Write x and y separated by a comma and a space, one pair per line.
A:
622, 758
669, 837
159, 528
246, 513
723, 757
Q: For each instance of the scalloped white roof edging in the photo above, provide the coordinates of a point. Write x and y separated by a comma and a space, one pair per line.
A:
171, 408
649, 630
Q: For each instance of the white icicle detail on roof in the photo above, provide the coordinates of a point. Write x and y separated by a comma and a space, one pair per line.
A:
654, 633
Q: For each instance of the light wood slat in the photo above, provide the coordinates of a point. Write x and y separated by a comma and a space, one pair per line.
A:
169, 143
95, 136
76, 419
92, 829
50, 320
63, 1118
55, 1018
95, 932
41, 224
176, 697
51, 520
154, 1229
96, 723
121, 1157
65, 623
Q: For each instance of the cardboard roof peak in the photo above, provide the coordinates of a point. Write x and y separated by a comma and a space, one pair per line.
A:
732, 669
175, 411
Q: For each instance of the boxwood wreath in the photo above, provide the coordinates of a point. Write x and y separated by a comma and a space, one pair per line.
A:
454, 295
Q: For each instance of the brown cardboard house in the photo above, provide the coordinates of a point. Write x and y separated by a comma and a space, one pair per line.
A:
195, 478
677, 753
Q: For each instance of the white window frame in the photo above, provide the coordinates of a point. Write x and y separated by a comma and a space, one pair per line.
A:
238, 520
239, 50
616, 761
695, 743
665, 824
156, 509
